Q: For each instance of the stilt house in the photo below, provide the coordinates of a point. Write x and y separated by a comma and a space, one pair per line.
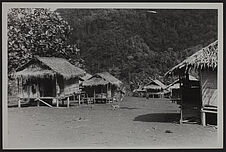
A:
155, 89
102, 86
48, 78
204, 62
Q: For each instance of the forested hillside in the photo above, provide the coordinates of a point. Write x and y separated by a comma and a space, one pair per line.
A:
137, 44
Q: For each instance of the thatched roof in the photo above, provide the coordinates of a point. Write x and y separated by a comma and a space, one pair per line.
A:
139, 90
86, 77
174, 85
94, 81
102, 79
155, 84
110, 78
203, 59
48, 66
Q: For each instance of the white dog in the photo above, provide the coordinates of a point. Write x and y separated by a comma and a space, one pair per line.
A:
114, 107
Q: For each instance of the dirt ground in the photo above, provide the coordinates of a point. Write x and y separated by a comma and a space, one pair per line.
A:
138, 123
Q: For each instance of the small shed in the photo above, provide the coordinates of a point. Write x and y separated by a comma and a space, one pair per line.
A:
155, 89
44, 78
102, 86
204, 62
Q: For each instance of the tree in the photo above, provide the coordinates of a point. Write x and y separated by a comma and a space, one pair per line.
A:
37, 32
136, 43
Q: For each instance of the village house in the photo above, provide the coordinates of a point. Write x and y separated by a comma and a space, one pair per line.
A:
204, 62
155, 89
48, 78
103, 87
140, 92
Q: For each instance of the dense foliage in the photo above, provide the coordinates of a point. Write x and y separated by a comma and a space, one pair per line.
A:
137, 44
134, 45
37, 32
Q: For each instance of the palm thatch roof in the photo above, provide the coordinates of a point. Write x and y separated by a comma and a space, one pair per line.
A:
49, 66
155, 84
206, 58
94, 81
139, 90
174, 85
86, 77
102, 79
110, 78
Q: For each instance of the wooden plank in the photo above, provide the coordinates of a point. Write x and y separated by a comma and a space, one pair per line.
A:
43, 102
208, 111
210, 108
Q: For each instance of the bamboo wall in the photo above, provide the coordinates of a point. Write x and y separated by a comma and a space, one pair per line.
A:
70, 86
209, 88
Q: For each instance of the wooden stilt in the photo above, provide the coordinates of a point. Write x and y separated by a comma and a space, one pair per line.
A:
203, 114
181, 103
94, 94
57, 102
101, 93
68, 102
19, 103
181, 116
107, 100
57, 93
79, 100
38, 103
203, 117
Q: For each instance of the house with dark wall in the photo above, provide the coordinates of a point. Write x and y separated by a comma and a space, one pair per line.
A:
155, 89
103, 85
48, 78
204, 62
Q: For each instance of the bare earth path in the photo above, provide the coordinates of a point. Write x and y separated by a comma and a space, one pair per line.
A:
139, 123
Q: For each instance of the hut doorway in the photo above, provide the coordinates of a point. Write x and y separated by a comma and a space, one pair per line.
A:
47, 88
191, 101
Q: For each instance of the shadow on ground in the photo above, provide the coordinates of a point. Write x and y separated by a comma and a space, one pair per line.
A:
158, 117
128, 108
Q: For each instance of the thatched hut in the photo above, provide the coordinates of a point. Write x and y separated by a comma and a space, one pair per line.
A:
140, 92
102, 86
45, 78
204, 62
174, 89
155, 89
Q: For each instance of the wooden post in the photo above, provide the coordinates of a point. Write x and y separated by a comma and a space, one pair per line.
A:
38, 103
203, 118
101, 91
79, 99
203, 114
181, 106
19, 103
68, 102
94, 94
107, 100
57, 102
57, 95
